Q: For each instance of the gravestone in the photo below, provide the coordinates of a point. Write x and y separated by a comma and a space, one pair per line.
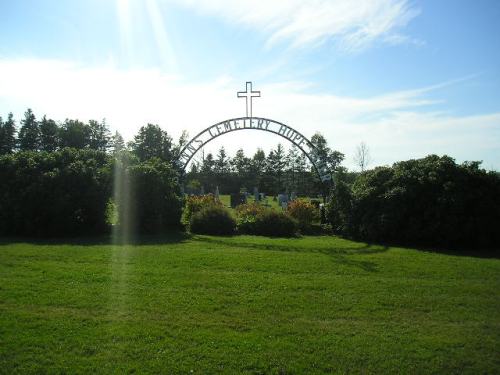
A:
217, 192
293, 196
282, 198
256, 194
237, 199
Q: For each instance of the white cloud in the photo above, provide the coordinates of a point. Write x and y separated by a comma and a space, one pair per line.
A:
354, 24
396, 126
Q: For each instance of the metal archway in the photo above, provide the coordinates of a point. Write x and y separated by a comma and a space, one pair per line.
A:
255, 123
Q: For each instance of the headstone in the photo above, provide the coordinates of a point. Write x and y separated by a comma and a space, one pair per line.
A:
282, 198
293, 196
202, 190
237, 198
217, 193
256, 194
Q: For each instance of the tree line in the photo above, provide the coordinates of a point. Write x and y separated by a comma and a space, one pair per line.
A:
275, 172
279, 171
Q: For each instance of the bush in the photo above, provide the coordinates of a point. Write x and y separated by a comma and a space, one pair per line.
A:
154, 196
253, 218
246, 216
275, 224
215, 220
60, 193
195, 204
305, 213
431, 201
338, 209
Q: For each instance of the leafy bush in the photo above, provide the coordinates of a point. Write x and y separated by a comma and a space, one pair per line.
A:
154, 196
431, 201
195, 204
305, 213
338, 209
246, 216
275, 224
215, 220
60, 193
253, 218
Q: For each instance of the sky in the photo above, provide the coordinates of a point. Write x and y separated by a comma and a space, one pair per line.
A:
408, 78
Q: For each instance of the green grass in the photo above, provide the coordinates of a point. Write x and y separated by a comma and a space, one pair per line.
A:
246, 305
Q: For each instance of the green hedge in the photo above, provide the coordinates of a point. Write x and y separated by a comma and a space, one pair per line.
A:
214, 220
431, 201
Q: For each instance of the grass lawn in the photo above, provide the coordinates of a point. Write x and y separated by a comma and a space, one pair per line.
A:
246, 304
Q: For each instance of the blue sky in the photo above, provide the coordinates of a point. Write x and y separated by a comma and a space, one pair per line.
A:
409, 78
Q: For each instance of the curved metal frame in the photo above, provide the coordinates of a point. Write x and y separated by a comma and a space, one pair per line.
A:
189, 145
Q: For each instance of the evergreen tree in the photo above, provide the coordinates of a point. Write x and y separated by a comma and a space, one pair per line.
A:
257, 168
240, 163
29, 134
7, 135
49, 135
207, 175
117, 143
276, 163
222, 163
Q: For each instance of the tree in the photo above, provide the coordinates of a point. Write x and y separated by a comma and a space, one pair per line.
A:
7, 135
362, 156
49, 135
74, 134
276, 163
292, 165
183, 140
29, 134
152, 142
332, 158
117, 143
207, 171
99, 136
222, 163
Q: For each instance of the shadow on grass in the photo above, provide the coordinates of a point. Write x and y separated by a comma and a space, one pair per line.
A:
457, 251
339, 255
166, 238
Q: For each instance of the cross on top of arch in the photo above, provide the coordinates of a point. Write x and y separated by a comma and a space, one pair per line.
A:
249, 95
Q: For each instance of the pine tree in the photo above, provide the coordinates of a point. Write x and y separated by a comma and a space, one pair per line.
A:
49, 135
29, 134
7, 135
117, 143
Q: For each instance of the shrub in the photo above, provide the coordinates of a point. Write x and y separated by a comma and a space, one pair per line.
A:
246, 216
253, 218
154, 196
60, 193
195, 204
275, 224
431, 201
338, 209
212, 220
305, 213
